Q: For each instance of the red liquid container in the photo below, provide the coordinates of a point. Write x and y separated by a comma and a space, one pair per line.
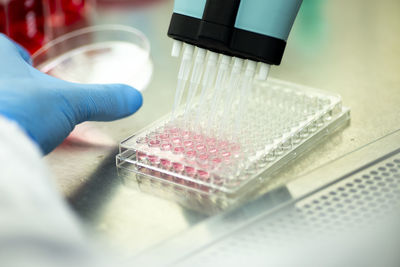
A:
32, 23
2, 19
23, 21
66, 15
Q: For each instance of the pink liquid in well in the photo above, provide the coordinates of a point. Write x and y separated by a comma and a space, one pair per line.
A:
216, 160
154, 143
212, 150
191, 153
203, 157
226, 155
176, 141
174, 131
199, 155
201, 148
153, 159
188, 143
211, 141
178, 167
223, 144
164, 136
178, 150
198, 137
165, 163
186, 134
190, 171
166, 147
203, 175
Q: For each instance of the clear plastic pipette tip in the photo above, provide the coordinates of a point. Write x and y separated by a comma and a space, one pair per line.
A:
207, 81
183, 76
176, 48
218, 86
197, 72
232, 86
263, 71
245, 90
228, 81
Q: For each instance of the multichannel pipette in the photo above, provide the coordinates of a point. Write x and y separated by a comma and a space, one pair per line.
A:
223, 144
251, 30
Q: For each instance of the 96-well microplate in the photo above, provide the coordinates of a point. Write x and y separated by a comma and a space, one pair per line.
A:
280, 121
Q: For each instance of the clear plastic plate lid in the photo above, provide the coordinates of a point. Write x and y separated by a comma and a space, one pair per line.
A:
98, 54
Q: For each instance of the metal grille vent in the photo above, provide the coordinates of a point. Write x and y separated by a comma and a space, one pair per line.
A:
356, 200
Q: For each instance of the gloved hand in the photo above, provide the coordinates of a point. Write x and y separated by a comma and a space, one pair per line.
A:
48, 108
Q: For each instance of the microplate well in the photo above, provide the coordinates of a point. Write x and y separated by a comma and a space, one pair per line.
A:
281, 121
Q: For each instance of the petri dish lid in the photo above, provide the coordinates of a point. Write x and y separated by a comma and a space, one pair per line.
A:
98, 54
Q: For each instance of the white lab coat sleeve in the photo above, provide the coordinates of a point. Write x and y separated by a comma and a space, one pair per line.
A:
37, 228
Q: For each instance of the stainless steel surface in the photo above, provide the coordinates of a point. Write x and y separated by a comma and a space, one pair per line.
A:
352, 194
347, 47
354, 201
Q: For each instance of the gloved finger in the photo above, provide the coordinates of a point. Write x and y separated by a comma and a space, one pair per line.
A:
22, 51
103, 102
13, 60
24, 54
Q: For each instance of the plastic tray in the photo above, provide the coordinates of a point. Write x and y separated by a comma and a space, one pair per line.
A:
282, 121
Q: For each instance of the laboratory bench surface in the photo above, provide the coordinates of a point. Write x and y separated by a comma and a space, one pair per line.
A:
353, 51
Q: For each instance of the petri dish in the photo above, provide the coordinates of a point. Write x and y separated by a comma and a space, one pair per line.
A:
98, 54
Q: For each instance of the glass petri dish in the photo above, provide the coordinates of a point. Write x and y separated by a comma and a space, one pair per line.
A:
98, 54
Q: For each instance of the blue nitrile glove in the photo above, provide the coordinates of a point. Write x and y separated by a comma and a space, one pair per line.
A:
48, 108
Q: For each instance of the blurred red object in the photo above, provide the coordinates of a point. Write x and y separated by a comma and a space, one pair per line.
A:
2, 19
64, 13
32, 23
23, 21
126, 3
